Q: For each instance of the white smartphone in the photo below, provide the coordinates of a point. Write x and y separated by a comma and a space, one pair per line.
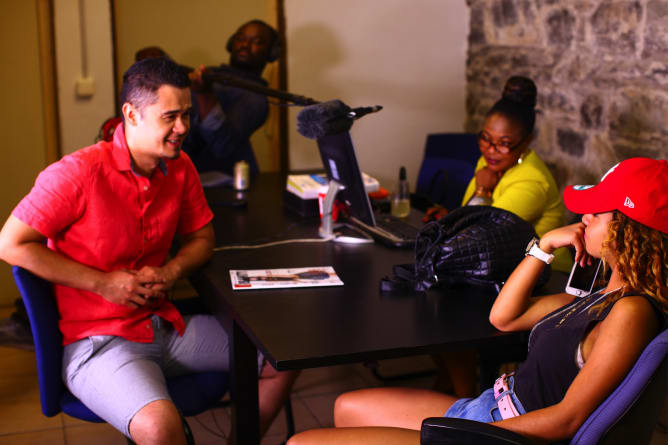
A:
581, 280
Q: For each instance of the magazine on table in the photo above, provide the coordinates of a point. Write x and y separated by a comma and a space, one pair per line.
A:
284, 278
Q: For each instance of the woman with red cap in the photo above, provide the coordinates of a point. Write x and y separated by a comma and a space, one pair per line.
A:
580, 349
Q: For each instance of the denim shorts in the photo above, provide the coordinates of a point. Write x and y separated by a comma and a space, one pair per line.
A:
483, 408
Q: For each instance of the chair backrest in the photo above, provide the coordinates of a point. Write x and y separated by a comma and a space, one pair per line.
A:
630, 413
42, 311
447, 167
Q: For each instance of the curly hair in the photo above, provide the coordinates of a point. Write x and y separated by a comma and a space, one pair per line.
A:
642, 259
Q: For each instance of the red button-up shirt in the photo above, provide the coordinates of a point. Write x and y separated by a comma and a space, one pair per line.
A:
95, 210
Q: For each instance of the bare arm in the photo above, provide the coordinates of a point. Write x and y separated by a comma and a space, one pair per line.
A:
21, 245
204, 95
514, 309
487, 179
622, 336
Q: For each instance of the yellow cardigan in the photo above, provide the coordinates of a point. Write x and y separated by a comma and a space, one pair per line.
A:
529, 191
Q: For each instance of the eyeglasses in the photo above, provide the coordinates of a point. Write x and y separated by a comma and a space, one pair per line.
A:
502, 147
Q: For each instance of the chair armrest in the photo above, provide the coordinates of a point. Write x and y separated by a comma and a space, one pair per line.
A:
450, 431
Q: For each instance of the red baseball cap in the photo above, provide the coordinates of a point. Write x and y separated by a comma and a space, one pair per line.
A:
637, 187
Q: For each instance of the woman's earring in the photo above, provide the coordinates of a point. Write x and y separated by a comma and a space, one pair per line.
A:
521, 158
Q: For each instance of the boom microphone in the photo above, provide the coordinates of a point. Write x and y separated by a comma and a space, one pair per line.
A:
331, 117
324, 118
358, 112
213, 74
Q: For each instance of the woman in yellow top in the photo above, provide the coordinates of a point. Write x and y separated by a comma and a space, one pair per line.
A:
510, 175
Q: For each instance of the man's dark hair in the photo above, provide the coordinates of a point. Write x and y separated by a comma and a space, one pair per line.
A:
272, 31
150, 52
143, 79
273, 46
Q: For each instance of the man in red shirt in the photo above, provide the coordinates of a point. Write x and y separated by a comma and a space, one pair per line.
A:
109, 214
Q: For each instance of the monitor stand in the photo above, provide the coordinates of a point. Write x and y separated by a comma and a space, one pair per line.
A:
327, 225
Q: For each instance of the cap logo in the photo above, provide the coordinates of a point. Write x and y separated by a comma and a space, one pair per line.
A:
628, 203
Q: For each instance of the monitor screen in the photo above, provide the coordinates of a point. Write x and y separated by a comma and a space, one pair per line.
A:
340, 162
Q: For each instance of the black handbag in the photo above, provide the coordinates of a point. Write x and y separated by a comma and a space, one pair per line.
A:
478, 245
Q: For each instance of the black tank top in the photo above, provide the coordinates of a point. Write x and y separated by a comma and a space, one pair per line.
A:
551, 365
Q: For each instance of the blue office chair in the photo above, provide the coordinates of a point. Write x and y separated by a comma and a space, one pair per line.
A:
628, 415
192, 393
447, 167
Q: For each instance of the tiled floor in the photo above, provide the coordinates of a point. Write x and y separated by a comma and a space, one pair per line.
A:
21, 420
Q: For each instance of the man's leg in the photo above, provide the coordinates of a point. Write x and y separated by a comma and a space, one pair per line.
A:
121, 381
205, 347
273, 390
457, 372
157, 423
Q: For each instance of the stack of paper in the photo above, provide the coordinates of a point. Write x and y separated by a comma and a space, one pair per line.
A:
308, 186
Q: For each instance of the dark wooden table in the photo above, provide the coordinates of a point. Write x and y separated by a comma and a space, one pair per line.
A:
312, 327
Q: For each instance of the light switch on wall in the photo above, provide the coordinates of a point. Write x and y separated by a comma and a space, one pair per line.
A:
85, 87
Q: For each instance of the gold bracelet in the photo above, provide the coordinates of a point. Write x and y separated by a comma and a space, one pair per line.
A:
483, 192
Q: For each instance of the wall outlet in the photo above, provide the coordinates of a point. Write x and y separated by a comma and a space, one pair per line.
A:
85, 87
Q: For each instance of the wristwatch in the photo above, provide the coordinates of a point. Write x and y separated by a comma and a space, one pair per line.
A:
536, 252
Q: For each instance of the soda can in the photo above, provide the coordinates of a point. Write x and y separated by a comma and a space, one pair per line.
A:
241, 175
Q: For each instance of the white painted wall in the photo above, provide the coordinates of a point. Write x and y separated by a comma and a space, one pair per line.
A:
407, 55
81, 117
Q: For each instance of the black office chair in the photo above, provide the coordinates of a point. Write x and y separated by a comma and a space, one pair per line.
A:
192, 393
447, 168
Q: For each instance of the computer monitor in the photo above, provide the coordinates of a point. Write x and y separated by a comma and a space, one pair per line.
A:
338, 158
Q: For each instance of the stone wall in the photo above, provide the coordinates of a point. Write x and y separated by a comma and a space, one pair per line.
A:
601, 67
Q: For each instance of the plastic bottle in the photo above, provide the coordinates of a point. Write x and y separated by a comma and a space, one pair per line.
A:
401, 204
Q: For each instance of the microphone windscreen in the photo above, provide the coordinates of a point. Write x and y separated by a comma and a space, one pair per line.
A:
324, 118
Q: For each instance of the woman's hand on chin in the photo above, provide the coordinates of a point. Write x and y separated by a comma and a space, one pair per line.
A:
487, 178
571, 235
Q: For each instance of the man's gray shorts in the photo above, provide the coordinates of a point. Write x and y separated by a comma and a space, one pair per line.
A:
115, 377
